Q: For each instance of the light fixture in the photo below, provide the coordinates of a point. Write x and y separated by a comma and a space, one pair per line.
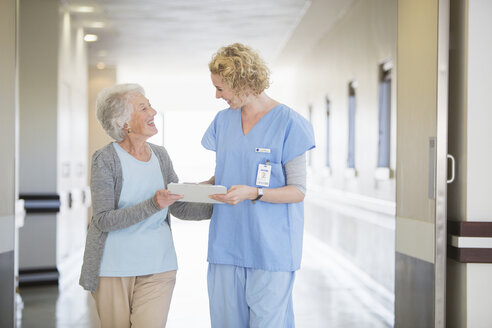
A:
82, 9
102, 53
90, 38
96, 25
101, 65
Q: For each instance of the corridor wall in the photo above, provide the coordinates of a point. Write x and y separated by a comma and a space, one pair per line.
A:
8, 192
53, 138
352, 210
469, 287
98, 79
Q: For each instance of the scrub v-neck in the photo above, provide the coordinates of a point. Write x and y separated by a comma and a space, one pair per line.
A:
257, 123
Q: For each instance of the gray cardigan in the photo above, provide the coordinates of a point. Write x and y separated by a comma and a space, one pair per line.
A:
106, 184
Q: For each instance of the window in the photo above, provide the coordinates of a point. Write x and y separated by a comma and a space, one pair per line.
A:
384, 116
327, 159
351, 125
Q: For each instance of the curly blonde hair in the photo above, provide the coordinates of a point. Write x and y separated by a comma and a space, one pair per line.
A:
241, 68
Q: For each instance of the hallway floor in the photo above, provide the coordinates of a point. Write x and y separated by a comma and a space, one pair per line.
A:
325, 293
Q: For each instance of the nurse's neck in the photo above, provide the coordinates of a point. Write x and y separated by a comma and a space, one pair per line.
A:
255, 105
253, 110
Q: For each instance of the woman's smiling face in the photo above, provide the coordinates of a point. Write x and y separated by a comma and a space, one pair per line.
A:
142, 119
225, 92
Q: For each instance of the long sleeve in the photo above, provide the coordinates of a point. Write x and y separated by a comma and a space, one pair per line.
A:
191, 211
295, 172
185, 210
106, 217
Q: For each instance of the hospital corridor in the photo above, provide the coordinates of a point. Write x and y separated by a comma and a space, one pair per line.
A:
322, 293
353, 136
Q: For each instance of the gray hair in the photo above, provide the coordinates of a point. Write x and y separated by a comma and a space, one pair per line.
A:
113, 108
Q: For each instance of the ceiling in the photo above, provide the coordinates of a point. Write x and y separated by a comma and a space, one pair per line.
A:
185, 32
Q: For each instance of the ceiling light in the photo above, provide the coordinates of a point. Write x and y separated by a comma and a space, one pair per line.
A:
102, 53
82, 9
97, 25
90, 38
101, 65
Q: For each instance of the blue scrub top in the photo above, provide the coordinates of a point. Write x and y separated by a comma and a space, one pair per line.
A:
263, 236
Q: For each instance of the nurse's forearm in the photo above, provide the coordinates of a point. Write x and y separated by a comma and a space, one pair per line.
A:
295, 171
287, 194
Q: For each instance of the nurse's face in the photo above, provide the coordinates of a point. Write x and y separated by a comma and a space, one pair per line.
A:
223, 91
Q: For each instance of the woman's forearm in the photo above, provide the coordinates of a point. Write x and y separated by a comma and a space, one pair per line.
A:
109, 219
105, 216
287, 194
191, 211
239, 193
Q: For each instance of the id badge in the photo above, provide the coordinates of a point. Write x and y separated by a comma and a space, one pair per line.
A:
263, 176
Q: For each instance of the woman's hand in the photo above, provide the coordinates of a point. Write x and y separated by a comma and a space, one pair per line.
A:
209, 181
163, 198
236, 194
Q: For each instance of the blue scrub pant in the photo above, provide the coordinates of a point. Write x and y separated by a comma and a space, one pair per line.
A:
242, 297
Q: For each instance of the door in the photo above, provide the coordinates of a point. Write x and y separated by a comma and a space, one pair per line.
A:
422, 88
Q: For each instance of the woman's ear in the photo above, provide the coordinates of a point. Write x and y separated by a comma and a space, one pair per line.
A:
127, 128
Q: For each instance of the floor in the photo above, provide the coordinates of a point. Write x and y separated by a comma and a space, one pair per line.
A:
326, 293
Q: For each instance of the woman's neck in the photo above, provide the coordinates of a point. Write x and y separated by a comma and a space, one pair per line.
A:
136, 147
258, 105
253, 110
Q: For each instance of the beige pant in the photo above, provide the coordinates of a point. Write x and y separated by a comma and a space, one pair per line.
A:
138, 302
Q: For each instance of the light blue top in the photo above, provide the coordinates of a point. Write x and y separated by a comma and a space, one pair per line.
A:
264, 235
146, 247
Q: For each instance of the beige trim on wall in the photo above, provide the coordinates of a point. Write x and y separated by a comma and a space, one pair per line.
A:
415, 238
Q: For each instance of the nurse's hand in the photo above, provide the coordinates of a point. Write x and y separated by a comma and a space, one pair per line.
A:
236, 194
163, 198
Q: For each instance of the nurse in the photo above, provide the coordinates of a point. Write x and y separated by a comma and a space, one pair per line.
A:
255, 239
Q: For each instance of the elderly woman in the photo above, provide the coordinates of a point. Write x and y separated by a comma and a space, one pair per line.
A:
255, 240
130, 262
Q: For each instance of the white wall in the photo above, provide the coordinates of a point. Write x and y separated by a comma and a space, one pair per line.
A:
53, 133
72, 103
361, 40
479, 106
479, 121
469, 286
72, 145
353, 215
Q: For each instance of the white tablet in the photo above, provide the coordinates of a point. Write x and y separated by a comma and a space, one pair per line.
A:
195, 192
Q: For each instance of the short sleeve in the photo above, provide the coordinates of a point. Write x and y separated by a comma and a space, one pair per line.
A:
209, 140
299, 138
